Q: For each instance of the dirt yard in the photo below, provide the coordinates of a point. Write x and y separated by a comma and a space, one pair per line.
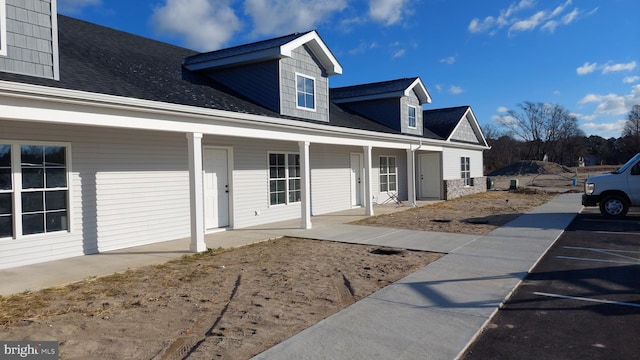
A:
237, 303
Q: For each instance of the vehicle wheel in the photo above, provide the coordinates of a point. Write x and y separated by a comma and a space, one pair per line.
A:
614, 206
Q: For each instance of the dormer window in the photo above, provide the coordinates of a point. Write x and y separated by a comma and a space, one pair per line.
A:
306, 92
411, 117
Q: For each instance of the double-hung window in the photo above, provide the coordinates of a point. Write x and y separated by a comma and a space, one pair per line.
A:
34, 189
465, 170
284, 178
411, 117
388, 174
305, 92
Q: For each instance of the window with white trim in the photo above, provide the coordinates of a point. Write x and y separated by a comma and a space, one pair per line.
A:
284, 178
388, 174
34, 189
306, 92
3, 28
465, 170
411, 117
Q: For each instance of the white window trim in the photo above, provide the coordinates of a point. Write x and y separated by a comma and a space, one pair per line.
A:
466, 171
415, 117
395, 172
315, 92
286, 177
3, 28
16, 190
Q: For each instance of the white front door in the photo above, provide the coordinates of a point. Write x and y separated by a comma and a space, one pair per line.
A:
356, 179
430, 176
216, 188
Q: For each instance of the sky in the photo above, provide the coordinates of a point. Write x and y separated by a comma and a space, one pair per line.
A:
583, 55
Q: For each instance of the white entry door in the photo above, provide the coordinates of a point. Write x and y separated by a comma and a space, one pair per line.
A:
216, 188
356, 179
430, 176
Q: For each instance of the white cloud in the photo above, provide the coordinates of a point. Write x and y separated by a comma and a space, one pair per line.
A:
277, 17
203, 24
613, 104
455, 89
545, 19
362, 48
399, 53
630, 79
75, 6
502, 109
528, 24
586, 68
568, 19
388, 12
619, 67
448, 60
605, 130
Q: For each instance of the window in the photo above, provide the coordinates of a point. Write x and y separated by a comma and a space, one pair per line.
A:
465, 170
388, 174
3, 28
411, 120
33, 189
284, 178
306, 92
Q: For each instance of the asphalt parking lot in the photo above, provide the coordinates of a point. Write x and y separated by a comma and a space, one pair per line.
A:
582, 300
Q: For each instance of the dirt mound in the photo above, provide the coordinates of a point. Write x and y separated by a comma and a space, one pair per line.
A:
530, 167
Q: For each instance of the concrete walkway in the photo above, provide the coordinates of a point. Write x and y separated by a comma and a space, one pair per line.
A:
433, 313
436, 312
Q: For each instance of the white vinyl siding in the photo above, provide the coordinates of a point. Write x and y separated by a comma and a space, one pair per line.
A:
127, 188
330, 177
451, 163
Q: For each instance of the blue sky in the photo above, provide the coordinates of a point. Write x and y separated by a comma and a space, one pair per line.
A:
492, 55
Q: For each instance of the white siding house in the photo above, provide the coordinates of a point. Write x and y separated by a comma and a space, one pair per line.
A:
173, 144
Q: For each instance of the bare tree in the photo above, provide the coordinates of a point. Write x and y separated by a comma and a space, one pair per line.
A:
543, 127
631, 131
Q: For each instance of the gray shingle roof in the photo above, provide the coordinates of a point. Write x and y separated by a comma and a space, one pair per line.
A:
383, 87
101, 60
442, 122
243, 49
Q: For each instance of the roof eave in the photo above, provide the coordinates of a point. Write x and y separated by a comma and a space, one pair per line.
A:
319, 49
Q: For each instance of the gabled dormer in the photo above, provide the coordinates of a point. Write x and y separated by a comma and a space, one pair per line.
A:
288, 75
396, 103
29, 38
456, 124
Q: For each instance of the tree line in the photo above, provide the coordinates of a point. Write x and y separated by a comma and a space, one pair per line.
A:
542, 131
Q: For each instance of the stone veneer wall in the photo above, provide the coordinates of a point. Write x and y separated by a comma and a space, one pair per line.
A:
456, 188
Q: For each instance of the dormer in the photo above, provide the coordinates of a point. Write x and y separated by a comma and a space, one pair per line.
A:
396, 103
28, 38
288, 75
455, 124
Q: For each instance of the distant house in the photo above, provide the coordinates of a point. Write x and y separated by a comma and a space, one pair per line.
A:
109, 140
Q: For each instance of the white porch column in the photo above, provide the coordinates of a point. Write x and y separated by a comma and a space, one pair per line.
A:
305, 185
368, 198
411, 176
196, 191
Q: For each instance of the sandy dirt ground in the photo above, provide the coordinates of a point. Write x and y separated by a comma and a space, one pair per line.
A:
237, 303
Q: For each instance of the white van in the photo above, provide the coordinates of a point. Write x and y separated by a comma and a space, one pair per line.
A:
615, 192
